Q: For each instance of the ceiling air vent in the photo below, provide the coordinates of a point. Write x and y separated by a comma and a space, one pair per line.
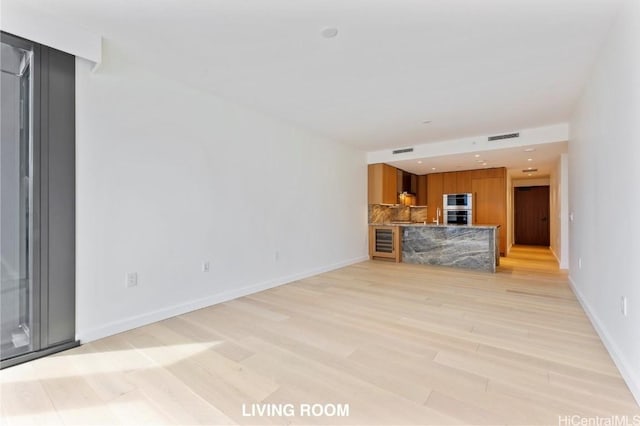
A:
507, 136
529, 170
402, 151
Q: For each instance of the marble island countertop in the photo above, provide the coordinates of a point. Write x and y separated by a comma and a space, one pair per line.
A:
441, 225
461, 246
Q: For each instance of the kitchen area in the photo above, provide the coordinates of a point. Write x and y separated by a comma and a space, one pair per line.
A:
449, 219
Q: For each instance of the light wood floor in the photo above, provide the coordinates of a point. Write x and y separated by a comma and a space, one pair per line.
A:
399, 343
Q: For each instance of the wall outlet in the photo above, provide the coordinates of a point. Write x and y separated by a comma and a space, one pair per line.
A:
623, 306
132, 279
206, 266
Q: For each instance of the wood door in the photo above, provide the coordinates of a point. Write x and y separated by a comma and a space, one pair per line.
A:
531, 210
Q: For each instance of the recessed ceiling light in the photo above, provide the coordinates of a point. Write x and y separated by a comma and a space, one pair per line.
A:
433, 168
477, 155
529, 174
419, 162
484, 164
529, 159
529, 150
529, 168
329, 32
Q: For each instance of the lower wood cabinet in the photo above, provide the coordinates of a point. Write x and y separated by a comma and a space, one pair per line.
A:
385, 242
490, 205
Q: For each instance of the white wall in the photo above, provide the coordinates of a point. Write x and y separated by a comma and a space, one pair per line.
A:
603, 158
559, 211
554, 211
563, 199
168, 177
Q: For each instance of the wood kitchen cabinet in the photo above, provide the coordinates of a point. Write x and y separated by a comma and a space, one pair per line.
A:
383, 182
490, 202
463, 182
494, 172
489, 191
422, 191
434, 195
449, 183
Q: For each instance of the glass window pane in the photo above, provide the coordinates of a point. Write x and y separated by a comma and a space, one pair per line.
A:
16, 286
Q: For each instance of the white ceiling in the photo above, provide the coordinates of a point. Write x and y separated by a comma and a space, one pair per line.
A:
516, 160
471, 67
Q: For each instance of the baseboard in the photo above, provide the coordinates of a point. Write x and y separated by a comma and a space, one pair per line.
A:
624, 366
558, 259
130, 323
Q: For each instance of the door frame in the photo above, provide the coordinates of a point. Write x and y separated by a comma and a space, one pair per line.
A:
548, 218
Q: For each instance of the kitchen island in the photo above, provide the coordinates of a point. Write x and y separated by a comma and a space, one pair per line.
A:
462, 246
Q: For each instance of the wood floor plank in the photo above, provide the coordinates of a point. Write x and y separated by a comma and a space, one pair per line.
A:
399, 343
24, 400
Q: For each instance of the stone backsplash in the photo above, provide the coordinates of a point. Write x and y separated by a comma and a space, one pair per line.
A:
418, 214
383, 213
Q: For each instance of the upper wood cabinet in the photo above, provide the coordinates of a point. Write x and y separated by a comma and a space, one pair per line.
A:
463, 182
488, 173
449, 183
383, 182
434, 195
422, 190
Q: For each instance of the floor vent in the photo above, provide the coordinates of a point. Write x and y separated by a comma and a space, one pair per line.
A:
402, 151
506, 136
